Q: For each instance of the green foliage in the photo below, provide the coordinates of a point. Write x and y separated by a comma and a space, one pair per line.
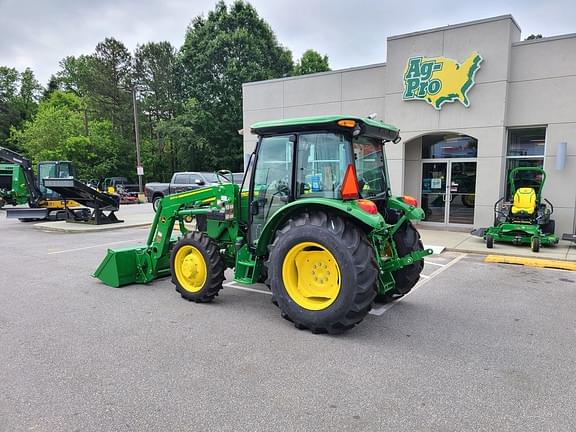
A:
158, 75
58, 133
311, 62
19, 94
191, 149
229, 47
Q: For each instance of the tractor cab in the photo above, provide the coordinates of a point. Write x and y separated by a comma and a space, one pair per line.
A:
53, 169
318, 158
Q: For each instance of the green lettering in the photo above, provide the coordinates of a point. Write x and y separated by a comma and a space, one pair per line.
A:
426, 70
434, 86
413, 68
422, 89
411, 85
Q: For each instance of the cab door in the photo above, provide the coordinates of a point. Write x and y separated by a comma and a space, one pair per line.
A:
272, 181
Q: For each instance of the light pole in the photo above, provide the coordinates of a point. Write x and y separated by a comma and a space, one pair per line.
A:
139, 167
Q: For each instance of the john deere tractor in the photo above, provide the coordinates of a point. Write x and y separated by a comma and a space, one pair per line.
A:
527, 218
314, 220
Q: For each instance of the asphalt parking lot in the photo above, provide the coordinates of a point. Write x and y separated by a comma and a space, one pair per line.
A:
477, 346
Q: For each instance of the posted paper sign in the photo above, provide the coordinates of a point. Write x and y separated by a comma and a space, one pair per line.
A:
436, 183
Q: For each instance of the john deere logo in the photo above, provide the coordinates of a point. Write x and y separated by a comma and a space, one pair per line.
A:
439, 79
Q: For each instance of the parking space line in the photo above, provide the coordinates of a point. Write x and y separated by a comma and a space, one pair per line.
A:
92, 247
379, 310
382, 309
433, 263
243, 288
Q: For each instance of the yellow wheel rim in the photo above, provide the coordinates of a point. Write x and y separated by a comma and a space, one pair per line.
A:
311, 276
190, 268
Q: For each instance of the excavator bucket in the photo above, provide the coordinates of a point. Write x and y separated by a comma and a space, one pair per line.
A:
125, 266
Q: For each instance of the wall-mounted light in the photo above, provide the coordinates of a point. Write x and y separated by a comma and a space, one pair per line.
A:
561, 151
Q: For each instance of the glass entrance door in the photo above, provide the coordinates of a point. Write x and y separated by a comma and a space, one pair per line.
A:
448, 191
462, 192
433, 199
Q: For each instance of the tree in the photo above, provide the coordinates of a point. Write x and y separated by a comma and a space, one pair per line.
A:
158, 75
104, 80
9, 113
57, 133
192, 150
229, 47
19, 95
311, 62
53, 85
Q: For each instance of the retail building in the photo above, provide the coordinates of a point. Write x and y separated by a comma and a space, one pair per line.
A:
472, 100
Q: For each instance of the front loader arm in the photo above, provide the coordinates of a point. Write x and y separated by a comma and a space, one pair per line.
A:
143, 264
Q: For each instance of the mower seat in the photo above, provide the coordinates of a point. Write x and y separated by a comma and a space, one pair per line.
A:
524, 202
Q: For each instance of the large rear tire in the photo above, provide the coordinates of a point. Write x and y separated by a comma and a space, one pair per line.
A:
407, 240
322, 272
197, 268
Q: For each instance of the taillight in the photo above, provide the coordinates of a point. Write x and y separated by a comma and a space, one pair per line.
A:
410, 200
368, 206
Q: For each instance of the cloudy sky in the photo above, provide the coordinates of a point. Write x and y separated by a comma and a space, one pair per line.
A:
38, 34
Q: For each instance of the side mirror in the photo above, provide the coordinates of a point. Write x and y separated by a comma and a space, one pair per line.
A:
199, 182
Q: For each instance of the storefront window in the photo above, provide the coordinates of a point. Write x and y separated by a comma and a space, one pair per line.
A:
445, 146
525, 149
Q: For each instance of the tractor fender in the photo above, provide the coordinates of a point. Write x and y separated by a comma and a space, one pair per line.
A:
345, 209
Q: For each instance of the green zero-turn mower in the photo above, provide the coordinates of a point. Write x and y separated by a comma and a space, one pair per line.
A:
314, 220
525, 220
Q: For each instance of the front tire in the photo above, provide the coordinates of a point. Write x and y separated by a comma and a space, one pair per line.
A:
197, 268
535, 244
322, 272
489, 241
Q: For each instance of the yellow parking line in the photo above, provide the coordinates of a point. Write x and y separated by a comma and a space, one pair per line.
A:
531, 262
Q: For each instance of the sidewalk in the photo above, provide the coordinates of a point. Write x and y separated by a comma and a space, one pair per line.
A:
465, 242
142, 216
133, 216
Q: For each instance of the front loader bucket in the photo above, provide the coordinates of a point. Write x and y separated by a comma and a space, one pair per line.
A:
125, 266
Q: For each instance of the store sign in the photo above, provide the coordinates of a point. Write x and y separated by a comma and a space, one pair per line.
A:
438, 80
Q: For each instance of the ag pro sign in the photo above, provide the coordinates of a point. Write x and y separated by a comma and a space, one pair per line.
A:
438, 80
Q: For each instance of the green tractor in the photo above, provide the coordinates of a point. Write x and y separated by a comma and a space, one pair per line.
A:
525, 220
314, 220
13, 189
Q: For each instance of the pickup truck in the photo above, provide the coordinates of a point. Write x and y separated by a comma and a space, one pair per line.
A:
181, 181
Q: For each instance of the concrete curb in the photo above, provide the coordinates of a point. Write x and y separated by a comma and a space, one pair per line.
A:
504, 253
532, 262
70, 228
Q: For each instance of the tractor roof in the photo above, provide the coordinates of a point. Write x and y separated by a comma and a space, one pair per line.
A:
369, 126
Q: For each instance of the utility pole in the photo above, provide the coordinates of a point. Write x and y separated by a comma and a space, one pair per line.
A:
139, 167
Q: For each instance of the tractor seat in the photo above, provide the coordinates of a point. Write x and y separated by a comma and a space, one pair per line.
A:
524, 202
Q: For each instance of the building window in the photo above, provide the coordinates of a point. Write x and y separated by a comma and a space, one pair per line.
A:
450, 145
525, 149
